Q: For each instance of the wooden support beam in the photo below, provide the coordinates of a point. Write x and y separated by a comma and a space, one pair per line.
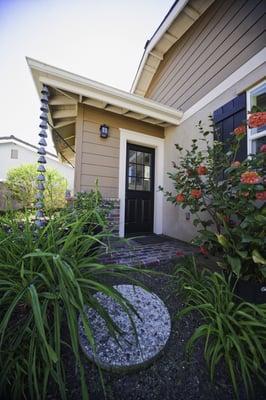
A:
61, 100
64, 114
71, 96
94, 103
62, 124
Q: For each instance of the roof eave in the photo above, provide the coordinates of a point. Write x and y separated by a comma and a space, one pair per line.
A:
182, 16
46, 74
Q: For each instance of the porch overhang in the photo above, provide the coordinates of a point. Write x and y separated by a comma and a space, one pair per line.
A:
67, 90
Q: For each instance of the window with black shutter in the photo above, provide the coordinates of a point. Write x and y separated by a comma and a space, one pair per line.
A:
230, 116
256, 102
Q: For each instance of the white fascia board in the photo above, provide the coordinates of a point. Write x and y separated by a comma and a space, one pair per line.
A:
65, 80
167, 23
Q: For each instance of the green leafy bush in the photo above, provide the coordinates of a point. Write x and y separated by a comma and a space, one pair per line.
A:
226, 198
46, 278
22, 184
233, 331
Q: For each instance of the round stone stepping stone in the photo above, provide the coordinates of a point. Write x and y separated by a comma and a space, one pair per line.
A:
153, 327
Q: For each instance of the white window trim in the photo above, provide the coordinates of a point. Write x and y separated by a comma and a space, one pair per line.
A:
251, 137
127, 136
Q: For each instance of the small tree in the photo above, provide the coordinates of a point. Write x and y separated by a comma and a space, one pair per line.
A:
227, 199
22, 184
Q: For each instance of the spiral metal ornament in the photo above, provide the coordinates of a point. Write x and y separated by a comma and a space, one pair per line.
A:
40, 214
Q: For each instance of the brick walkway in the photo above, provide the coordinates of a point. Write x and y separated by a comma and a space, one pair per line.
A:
145, 251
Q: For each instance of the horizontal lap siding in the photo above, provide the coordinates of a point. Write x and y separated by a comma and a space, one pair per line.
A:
224, 38
100, 157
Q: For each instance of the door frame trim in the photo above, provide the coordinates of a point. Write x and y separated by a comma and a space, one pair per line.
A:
157, 144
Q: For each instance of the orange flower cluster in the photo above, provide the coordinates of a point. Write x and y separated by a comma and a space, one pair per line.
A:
180, 198
250, 177
240, 130
202, 170
257, 119
261, 195
196, 193
236, 164
263, 148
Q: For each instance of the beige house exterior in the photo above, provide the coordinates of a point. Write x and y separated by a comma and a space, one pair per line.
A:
204, 55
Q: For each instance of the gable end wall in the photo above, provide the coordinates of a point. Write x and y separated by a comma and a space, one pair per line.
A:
226, 36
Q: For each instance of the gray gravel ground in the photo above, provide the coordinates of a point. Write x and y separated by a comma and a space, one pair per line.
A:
170, 377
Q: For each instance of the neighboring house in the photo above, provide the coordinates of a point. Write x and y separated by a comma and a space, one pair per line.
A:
15, 152
205, 57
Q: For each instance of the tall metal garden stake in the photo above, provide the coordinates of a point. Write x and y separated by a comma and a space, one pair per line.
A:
40, 215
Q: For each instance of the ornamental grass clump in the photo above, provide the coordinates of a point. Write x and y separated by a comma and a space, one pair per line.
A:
227, 199
233, 332
46, 279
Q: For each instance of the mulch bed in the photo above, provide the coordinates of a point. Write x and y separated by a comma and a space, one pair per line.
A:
172, 376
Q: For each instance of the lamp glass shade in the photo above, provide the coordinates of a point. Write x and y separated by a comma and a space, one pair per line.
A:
104, 131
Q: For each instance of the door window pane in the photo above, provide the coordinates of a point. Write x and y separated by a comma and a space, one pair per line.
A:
147, 185
139, 184
132, 156
132, 170
147, 171
131, 183
139, 157
147, 158
139, 170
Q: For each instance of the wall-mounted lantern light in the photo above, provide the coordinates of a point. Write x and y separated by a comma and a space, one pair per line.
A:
104, 131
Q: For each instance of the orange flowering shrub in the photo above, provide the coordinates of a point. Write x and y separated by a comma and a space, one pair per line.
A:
250, 177
235, 164
261, 195
257, 119
240, 130
180, 198
196, 193
226, 198
202, 170
263, 148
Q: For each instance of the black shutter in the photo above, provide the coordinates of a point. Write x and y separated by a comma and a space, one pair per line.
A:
230, 116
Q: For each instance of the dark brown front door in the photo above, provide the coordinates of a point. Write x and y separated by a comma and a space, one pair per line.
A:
139, 190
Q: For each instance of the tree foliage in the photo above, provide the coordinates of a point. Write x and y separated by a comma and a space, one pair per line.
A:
22, 185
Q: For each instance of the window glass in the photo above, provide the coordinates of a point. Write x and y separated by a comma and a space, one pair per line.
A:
132, 156
256, 102
132, 170
139, 184
146, 171
131, 182
256, 144
139, 170
14, 153
147, 185
147, 158
139, 157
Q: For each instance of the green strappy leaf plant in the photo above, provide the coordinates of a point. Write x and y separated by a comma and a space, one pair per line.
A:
46, 279
233, 331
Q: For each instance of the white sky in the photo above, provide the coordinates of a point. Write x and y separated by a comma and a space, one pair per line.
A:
99, 39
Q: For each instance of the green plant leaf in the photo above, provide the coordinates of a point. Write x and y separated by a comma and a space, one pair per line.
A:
257, 257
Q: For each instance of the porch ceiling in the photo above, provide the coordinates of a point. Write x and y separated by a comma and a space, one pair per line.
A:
67, 90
